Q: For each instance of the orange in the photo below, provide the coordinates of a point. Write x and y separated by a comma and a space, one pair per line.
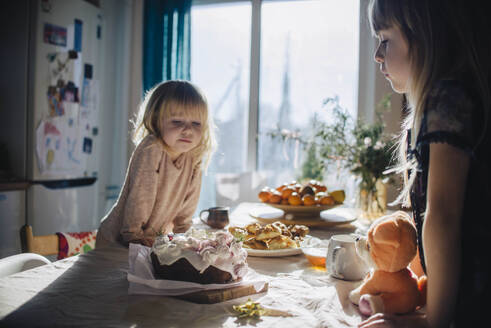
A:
297, 187
285, 193
283, 186
295, 199
264, 195
275, 197
321, 187
326, 200
308, 200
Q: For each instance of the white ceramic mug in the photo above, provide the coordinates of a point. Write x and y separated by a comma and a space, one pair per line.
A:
342, 261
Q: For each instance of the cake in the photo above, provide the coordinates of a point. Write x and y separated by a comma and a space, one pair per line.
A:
199, 256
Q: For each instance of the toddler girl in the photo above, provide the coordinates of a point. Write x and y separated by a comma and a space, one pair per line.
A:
437, 52
161, 190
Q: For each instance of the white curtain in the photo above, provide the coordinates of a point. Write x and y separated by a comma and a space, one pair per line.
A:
122, 85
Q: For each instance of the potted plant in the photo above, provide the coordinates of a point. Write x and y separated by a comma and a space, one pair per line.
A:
363, 149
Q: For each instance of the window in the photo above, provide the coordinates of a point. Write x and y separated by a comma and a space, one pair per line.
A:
308, 51
220, 53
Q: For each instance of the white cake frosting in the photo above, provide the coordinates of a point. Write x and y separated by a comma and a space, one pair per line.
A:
203, 248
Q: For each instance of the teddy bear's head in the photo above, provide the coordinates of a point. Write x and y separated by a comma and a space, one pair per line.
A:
390, 244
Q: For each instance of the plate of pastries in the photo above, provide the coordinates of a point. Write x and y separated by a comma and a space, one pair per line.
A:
271, 240
308, 199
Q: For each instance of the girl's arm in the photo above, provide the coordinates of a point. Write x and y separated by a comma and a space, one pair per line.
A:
183, 220
447, 179
143, 180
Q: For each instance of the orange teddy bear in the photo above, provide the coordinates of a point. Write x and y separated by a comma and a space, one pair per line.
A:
390, 287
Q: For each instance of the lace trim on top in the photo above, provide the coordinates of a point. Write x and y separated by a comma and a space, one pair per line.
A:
447, 137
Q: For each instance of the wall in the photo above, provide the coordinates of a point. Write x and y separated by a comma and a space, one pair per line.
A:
373, 86
14, 18
117, 79
122, 61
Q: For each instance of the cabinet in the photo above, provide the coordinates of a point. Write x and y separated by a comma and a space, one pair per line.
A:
12, 218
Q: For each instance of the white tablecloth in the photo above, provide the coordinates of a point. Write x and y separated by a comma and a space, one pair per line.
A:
91, 290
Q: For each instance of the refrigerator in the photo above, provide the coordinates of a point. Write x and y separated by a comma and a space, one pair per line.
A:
59, 154
63, 123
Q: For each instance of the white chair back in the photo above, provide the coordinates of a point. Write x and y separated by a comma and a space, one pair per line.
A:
21, 262
235, 188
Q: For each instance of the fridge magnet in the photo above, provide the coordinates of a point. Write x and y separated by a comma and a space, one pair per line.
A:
55, 102
88, 71
77, 37
87, 145
61, 66
46, 5
59, 69
69, 92
55, 35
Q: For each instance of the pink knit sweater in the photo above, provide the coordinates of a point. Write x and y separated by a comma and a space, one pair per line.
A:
158, 196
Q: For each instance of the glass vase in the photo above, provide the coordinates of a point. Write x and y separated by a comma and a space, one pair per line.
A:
372, 204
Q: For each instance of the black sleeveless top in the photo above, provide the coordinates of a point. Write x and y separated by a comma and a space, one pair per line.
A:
452, 116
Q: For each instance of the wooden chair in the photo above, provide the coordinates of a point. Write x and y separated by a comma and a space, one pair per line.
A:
43, 245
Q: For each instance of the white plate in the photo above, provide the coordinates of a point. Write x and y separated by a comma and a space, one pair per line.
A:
273, 253
333, 217
310, 211
266, 212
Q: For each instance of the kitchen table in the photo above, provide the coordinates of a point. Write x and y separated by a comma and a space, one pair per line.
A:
91, 290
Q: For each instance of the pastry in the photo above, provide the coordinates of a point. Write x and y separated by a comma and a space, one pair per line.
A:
268, 232
272, 236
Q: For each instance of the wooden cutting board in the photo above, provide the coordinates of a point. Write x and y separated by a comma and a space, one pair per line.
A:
221, 295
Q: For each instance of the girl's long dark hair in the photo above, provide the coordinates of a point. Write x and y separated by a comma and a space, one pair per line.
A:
448, 39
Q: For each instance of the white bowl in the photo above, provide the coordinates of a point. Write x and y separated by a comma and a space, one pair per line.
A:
315, 255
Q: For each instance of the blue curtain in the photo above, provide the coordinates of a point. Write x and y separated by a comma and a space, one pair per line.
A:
166, 41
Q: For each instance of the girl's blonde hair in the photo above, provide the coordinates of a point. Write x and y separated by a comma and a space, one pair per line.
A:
176, 98
446, 40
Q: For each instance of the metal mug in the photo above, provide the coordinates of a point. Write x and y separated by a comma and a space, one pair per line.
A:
217, 217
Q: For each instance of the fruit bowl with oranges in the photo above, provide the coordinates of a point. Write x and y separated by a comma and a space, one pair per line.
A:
308, 199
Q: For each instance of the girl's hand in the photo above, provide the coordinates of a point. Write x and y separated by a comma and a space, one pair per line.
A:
381, 320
